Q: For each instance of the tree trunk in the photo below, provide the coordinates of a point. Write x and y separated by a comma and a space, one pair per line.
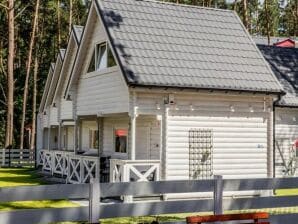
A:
59, 24
245, 13
10, 75
235, 5
296, 18
70, 15
33, 133
25, 96
267, 22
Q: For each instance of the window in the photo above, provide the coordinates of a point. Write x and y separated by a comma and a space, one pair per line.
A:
121, 140
93, 139
102, 58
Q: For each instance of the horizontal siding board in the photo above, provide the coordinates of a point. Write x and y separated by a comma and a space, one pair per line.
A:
239, 139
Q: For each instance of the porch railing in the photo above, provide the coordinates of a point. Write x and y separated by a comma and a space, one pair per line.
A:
82, 169
75, 168
134, 170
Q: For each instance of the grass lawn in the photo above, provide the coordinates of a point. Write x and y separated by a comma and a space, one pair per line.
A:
27, 177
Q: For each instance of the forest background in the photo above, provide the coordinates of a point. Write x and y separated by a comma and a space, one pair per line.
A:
32, 32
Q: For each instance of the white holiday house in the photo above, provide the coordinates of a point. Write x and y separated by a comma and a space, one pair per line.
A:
167, 91
284, 63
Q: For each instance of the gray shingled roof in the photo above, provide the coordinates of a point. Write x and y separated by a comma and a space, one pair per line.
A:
78, 32
284, 63
170, 45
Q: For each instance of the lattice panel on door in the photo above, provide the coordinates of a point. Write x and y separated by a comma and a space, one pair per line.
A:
200, 153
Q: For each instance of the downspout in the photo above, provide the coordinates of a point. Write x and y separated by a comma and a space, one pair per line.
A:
274, 145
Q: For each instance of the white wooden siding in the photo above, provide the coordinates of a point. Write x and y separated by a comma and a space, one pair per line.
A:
101, 91
286, 132
240, 137
236, 153
39, 131
66, 112
54, 116
68, 132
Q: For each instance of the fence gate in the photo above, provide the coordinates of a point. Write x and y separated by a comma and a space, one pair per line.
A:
200, 153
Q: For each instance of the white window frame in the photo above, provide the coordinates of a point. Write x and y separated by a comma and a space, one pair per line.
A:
105, 56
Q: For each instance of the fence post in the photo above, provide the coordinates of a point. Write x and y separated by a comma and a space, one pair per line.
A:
218, 195
3, 157
94, 201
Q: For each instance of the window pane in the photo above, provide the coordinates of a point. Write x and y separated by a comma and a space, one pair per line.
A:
101, 60
111, 59
91, 67
120, 140
93, 139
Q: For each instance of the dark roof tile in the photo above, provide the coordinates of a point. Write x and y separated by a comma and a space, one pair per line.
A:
162, 44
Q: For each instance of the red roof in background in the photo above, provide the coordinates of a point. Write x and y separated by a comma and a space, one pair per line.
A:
285, 43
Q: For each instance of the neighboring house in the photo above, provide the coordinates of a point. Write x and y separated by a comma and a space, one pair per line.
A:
276, 41
285, 43
172, 92
284, 63
56, 111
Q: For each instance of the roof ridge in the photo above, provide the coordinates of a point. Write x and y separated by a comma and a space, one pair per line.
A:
184, 5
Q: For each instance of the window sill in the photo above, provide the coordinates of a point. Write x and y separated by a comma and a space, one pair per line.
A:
102, 72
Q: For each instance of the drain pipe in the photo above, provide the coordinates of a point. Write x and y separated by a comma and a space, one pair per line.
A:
274, 145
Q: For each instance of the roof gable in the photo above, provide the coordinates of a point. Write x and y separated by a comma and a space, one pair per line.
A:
46, 89
284, 63
170, 45
67, 65
55, 77
93, 32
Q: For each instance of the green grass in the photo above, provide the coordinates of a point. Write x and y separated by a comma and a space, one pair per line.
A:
19, 177
287, 192
26, 177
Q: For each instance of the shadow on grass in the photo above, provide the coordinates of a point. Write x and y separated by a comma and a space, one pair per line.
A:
19, 176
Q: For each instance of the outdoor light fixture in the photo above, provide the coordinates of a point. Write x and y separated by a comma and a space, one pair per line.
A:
251, 109
191, 107
176, 107
232, 108
294, 118
157, 106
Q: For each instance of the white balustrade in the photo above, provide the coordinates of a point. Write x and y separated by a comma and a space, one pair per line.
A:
81, 169
48, 161
134, 170
60, 162
40, 157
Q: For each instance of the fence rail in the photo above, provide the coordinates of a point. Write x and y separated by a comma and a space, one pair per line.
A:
17, 157
99, 210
